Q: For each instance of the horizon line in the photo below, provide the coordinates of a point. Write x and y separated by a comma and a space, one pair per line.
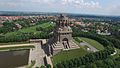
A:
58, 13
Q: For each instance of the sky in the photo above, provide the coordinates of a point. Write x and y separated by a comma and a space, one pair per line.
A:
96, 7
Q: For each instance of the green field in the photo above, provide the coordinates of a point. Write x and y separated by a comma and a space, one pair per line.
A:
94, 43
67, 55
29, 29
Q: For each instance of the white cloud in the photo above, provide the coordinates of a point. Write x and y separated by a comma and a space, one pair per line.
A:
86, 4
43, 1
74, 3
82, 3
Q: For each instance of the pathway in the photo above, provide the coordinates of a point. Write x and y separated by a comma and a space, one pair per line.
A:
90, 46
37, 54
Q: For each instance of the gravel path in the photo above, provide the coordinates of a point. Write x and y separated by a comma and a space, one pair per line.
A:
90, 46
37, 54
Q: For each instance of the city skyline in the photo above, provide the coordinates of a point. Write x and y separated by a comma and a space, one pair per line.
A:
96, 7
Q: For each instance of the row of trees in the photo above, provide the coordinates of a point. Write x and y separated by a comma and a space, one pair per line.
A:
89, 58
8, 27
110, 62
115, 42
21, 37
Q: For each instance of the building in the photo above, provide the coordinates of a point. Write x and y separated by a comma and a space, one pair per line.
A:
62, 39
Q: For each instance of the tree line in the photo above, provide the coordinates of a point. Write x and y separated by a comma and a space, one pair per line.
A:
89, 58
22, 37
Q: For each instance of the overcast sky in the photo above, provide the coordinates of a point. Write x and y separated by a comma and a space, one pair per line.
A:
99, 7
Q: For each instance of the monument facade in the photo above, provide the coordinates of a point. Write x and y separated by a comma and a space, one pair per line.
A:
62, 37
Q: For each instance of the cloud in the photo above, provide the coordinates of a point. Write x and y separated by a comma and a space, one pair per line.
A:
82, 3
42, 1
72, 6
87, 4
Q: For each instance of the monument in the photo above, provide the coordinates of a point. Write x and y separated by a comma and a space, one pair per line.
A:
62, 36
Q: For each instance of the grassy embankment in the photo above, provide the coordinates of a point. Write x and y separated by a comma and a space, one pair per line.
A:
94, 43
67, 55
70, 54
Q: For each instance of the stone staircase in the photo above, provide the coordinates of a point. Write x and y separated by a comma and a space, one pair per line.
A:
73, 45
56, 46
59, 46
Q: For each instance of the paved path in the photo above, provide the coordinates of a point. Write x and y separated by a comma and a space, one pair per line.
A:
90, 46
17, 45
37, 54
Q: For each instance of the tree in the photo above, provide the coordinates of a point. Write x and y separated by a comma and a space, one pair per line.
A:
42, 67
48, 66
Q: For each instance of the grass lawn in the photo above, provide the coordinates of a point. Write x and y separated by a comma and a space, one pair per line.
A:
29, 29
94, 43
33, 28
67, 55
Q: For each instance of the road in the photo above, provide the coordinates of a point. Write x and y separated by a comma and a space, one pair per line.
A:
37, 54
93, 49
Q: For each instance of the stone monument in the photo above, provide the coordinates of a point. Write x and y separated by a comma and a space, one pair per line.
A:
62, 36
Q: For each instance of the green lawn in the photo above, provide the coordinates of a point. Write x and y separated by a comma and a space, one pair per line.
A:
29, 29
33, 28
67, 55
94, 43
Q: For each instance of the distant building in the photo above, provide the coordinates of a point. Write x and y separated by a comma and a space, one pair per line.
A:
1, 25
105, 32
18, 25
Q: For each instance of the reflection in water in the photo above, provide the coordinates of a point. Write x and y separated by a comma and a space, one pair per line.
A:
13, 59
